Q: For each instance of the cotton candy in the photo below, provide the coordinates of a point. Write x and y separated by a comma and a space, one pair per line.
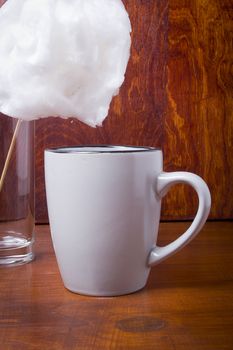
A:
64, 58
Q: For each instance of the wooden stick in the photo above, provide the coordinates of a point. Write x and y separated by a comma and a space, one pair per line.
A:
9, 154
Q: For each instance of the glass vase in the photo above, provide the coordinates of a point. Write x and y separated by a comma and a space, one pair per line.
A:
16, 191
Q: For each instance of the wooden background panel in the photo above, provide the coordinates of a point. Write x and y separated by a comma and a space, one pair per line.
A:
177, 95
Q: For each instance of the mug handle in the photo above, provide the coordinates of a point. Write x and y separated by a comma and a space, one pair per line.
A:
163, 182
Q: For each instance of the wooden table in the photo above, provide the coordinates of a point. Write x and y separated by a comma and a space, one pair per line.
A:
187, 304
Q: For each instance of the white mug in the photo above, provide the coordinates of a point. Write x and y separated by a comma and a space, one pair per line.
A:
104, 210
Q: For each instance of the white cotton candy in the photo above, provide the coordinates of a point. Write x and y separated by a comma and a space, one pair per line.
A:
62, 58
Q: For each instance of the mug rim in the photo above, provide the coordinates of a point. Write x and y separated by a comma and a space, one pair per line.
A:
102, 148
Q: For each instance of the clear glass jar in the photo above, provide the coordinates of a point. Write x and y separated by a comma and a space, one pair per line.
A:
16, 191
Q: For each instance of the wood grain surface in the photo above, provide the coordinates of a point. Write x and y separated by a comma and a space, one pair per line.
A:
177, 96
187, 303
198, 133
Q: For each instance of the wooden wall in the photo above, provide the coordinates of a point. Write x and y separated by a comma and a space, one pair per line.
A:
177, 95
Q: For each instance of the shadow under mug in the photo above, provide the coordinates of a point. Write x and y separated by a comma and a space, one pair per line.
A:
104, 206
